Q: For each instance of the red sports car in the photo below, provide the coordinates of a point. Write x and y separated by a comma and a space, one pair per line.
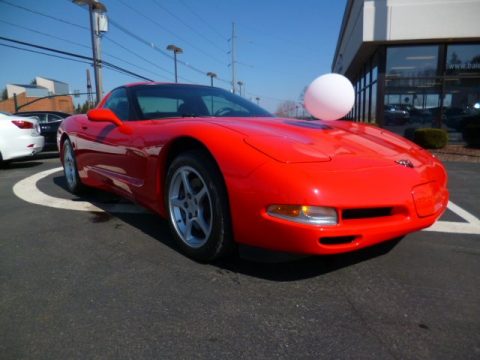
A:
223, 172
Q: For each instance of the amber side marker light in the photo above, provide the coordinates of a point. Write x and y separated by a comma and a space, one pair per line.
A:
313, 215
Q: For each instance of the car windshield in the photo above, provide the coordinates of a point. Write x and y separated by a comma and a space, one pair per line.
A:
167, 100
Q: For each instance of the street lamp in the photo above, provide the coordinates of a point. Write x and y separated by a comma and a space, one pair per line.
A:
258, 100
98, 25
211, 75
176, 50
240, 83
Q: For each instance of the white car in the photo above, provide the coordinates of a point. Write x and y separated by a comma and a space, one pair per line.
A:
19, 137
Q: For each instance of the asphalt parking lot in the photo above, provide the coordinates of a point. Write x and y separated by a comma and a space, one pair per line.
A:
89, 284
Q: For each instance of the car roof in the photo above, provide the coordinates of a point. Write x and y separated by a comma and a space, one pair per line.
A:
152, 83
43, 112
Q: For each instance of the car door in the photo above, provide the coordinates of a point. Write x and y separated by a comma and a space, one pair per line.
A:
108, 152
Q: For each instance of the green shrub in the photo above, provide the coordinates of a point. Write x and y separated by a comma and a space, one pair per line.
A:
430, 138
471, 135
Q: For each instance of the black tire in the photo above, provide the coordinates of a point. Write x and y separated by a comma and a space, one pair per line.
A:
70, 170
197, 204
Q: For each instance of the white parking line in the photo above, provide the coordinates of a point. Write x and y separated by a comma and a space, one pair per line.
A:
27, 190
471, 226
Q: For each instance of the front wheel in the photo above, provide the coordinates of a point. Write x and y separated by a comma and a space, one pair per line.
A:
70, 168
197, 204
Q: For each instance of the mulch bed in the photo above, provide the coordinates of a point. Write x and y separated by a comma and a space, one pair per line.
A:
459, 153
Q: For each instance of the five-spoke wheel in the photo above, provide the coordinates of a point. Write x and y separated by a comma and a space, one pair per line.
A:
70, 168
197, 204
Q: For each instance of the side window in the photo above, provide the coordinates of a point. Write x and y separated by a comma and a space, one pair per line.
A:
118, 103
42, 118
53, 118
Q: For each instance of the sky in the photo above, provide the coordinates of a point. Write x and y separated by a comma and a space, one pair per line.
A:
281, 46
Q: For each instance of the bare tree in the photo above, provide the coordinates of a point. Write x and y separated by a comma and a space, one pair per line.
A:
288, 108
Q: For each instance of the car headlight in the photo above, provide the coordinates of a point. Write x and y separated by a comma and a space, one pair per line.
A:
313, 215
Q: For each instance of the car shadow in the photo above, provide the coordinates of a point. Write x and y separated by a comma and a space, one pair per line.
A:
19, 164
284, 267
257, 262
248, 260
50, 154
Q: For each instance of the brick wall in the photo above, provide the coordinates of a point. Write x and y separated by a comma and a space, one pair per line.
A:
59, 103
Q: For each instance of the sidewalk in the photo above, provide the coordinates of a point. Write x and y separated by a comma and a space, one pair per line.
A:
458, 153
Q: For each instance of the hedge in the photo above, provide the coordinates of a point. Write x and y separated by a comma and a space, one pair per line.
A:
429, 138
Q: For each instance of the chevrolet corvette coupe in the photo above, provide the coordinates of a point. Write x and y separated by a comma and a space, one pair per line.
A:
224, 172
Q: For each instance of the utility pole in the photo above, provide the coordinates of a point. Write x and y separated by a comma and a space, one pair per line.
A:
98, 25
233, 59
89, 90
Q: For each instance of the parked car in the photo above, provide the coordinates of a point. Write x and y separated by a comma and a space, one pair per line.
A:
49, 122
19, 137
396, 114
223, 171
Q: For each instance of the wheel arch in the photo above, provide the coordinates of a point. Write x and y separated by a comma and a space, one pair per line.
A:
176, 147
63, 138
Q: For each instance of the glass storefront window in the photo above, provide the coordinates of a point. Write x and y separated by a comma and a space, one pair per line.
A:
374, 74
463, 59
367, 105
412, 61
461, 105
373, 109
411, 105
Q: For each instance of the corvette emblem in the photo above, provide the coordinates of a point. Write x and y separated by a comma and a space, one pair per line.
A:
404, 162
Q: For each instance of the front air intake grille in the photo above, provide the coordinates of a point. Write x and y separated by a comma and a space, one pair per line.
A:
337, 240
352, 214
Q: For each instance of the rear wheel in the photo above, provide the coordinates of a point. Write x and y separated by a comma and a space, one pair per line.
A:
70, 168
197, 204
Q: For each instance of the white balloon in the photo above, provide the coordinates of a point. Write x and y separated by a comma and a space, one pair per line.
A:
329, 97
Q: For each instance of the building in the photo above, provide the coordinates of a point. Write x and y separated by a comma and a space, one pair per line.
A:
36, 97
413, 63
29, 90
55, 87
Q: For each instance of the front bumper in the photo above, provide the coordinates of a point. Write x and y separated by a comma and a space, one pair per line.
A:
374, 205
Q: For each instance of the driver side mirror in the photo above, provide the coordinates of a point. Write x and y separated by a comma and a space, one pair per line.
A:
107, 115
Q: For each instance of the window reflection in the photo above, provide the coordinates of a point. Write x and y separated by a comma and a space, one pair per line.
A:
463, 59
412, 61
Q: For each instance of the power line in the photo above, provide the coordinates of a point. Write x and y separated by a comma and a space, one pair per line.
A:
170, 32
88, 47
203, 20
188, 25
44, 15
45, 34
106, 64
156, 48
121, 28
43, 53
83, 57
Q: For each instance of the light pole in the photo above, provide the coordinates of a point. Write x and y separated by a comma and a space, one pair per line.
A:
240, 83
258, 100
176, 50
211, 75
98, 25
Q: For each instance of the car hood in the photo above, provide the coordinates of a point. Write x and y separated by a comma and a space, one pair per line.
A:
297, 141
